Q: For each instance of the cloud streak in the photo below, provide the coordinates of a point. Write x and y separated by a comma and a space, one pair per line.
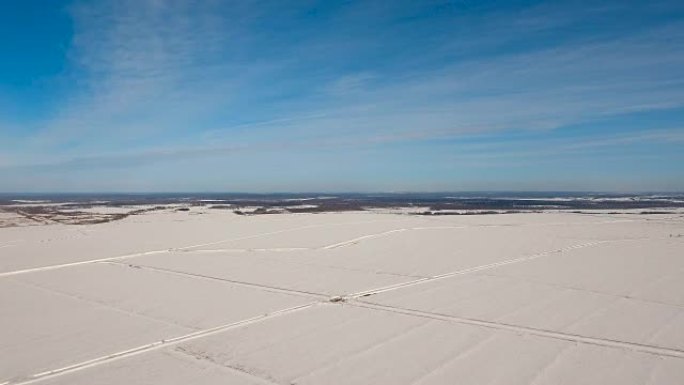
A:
162, 81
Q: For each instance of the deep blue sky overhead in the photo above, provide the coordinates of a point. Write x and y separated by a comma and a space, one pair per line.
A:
261, 96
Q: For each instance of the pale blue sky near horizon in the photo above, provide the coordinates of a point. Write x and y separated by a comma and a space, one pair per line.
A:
333, 96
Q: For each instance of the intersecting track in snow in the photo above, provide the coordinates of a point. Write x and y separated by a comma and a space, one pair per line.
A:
355, 299
153, 346
471, 270
384, 233
195, 247
162, 251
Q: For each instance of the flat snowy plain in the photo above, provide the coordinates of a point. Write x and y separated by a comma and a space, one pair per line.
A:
210, 297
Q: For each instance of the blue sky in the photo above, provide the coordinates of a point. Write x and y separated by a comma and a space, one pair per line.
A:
260, 96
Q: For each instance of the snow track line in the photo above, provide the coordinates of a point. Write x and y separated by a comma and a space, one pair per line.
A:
471, 270
54, 267
187, 248
273, 233
162, 251
253, 378
273, 289
616, 344
104, 305
153, 346
354, 240
257, 250
333, 246
378, 235
382, 234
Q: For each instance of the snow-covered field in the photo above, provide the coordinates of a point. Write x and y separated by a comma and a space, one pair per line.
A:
211, 297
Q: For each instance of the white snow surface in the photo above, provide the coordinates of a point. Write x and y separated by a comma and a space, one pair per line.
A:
172, 297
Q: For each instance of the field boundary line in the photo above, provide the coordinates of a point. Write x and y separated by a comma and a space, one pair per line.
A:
605, 342
154, 346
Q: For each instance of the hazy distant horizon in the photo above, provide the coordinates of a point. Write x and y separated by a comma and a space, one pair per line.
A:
320, 194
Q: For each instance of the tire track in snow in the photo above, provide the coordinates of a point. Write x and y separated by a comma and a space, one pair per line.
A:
188, 248
361, 238
605, 342
168, 250
71, 264
273, 289
37, 377
384, 233
472, 270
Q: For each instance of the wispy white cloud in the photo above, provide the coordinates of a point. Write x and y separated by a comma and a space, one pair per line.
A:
472, 149
141, 66
159, 80
151, 64
350, 84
